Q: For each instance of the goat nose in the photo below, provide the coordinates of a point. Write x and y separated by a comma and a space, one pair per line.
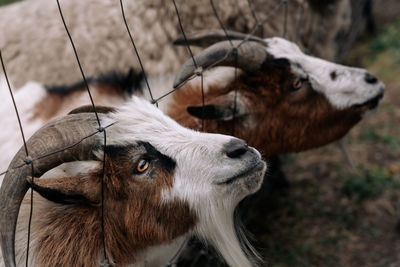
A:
369, 78
236, 148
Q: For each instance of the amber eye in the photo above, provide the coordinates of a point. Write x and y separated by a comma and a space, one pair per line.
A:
143, 164
297, 84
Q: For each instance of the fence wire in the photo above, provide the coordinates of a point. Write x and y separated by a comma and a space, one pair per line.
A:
259, 25
28, 159
199, 72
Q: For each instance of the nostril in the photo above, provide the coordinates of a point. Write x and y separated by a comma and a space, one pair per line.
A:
236, 148
369, 78
237, 152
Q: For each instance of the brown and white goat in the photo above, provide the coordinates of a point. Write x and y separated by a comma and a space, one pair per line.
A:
286, 101
162, 182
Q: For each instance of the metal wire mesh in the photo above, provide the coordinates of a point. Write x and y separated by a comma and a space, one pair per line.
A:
281, 6
102, 129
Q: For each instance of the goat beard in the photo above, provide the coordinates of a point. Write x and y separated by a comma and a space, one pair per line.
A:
220, 226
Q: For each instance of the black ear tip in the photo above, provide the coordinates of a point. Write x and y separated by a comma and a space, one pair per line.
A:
202, 112
179, 41
58, 196
210, 112
29, 180
192, 109
32, 184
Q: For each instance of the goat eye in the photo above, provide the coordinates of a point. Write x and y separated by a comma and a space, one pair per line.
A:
142, 165
297, 84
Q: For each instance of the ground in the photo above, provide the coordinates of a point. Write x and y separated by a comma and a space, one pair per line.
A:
333, 213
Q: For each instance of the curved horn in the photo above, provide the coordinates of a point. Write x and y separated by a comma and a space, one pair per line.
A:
52, 137
206, 38
250, 56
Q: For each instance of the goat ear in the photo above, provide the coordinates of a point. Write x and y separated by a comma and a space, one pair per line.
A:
222, 108
67, 190
211, 112
89, 109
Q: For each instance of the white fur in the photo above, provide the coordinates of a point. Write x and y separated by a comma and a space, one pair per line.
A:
201, 161
159, 255
161, 86
26, 98
75, 168
348, 89
186, 146
10, 136
31, 33
202, 154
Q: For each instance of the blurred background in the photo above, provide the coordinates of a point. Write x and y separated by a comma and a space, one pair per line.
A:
342, 203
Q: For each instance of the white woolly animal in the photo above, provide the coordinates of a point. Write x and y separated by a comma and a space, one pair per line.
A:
162, 183
36, 47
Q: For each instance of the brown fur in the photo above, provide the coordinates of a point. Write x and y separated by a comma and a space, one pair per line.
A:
135, 218
74, 185
55, 104
279, 118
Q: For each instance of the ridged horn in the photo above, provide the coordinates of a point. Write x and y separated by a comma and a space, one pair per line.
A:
52, 137
205, 38
250, 56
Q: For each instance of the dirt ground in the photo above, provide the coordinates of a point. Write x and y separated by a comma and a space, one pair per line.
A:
336, 211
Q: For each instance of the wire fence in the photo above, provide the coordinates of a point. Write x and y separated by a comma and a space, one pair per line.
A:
281, 6
258, 25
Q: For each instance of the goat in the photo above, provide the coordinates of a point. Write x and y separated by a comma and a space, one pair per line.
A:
280, 85
286, 101
103, 44
162, 182
282, 100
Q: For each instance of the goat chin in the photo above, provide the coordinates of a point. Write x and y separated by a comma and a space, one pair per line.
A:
217, 226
